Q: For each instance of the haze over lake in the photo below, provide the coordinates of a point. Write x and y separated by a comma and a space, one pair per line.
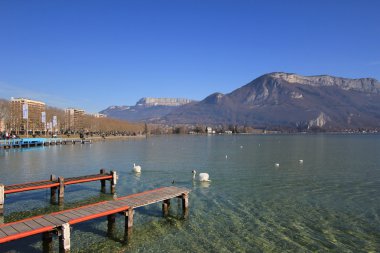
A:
330, 202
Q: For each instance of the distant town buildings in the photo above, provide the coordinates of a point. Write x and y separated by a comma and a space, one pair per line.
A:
100, 115
74, 119
23, 117
26, 115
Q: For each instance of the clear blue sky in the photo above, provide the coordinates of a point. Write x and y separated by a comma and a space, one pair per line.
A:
93, 54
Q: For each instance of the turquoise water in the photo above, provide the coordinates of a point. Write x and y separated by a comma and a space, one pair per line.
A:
331, 202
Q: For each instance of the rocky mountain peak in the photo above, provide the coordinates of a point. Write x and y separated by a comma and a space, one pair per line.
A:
214, 98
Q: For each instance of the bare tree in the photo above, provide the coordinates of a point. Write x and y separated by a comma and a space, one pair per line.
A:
5, 111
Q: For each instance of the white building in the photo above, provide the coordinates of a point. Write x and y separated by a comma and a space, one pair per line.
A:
100, 115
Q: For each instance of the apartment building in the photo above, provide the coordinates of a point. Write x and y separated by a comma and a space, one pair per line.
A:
26, 114
74, 119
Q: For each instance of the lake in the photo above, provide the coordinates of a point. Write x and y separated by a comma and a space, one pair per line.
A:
330, 202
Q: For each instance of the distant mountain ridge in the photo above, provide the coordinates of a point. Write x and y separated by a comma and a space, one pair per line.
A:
147, 102
146, 109
369, 85
279, 99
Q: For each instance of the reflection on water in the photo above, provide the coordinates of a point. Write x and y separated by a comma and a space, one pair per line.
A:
330, 202
204, 184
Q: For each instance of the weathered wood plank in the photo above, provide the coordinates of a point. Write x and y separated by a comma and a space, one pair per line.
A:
70, 215
31, 184
118, 204
74, 213
83, 212
12, 185
95, 177
21, 227
110, 205
54, 220
2, 234
43, 222
100, 209
89, 209
62, 217
32, 224
132, 203
9, 230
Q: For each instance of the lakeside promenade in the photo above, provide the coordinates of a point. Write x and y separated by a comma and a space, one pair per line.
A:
33, 142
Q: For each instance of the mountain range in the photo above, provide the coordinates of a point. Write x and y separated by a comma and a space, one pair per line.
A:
275, 100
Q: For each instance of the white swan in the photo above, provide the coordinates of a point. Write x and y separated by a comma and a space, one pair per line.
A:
203, 177
277, 164
300, 161
136, 168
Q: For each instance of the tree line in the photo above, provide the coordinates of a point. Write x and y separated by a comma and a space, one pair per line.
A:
90, 124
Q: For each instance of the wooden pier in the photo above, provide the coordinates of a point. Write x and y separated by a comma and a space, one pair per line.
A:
58, 184
60, 223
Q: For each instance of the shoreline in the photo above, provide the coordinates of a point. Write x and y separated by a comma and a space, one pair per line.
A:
111, 138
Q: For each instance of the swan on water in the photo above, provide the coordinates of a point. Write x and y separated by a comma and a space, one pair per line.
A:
203, 177
136, 168
300, 161
277, 164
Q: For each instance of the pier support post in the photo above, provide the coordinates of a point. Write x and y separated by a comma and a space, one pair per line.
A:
165, 207
53, 190
2, 197
113, 181
47, 242
128, 224
185, 205
61, 190
103, 181
111, 224
64, 238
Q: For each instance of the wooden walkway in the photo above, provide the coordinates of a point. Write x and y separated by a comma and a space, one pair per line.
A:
57, 183
60, 222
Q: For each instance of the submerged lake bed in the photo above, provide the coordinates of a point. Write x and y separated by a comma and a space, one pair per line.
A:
328, 202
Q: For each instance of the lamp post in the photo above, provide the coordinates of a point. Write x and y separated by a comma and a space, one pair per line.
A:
43, 119
25, 116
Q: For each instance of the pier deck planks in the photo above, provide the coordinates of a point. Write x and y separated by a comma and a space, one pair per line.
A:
30, 186
49, 222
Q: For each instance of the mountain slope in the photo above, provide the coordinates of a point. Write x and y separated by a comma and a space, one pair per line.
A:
289, 100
